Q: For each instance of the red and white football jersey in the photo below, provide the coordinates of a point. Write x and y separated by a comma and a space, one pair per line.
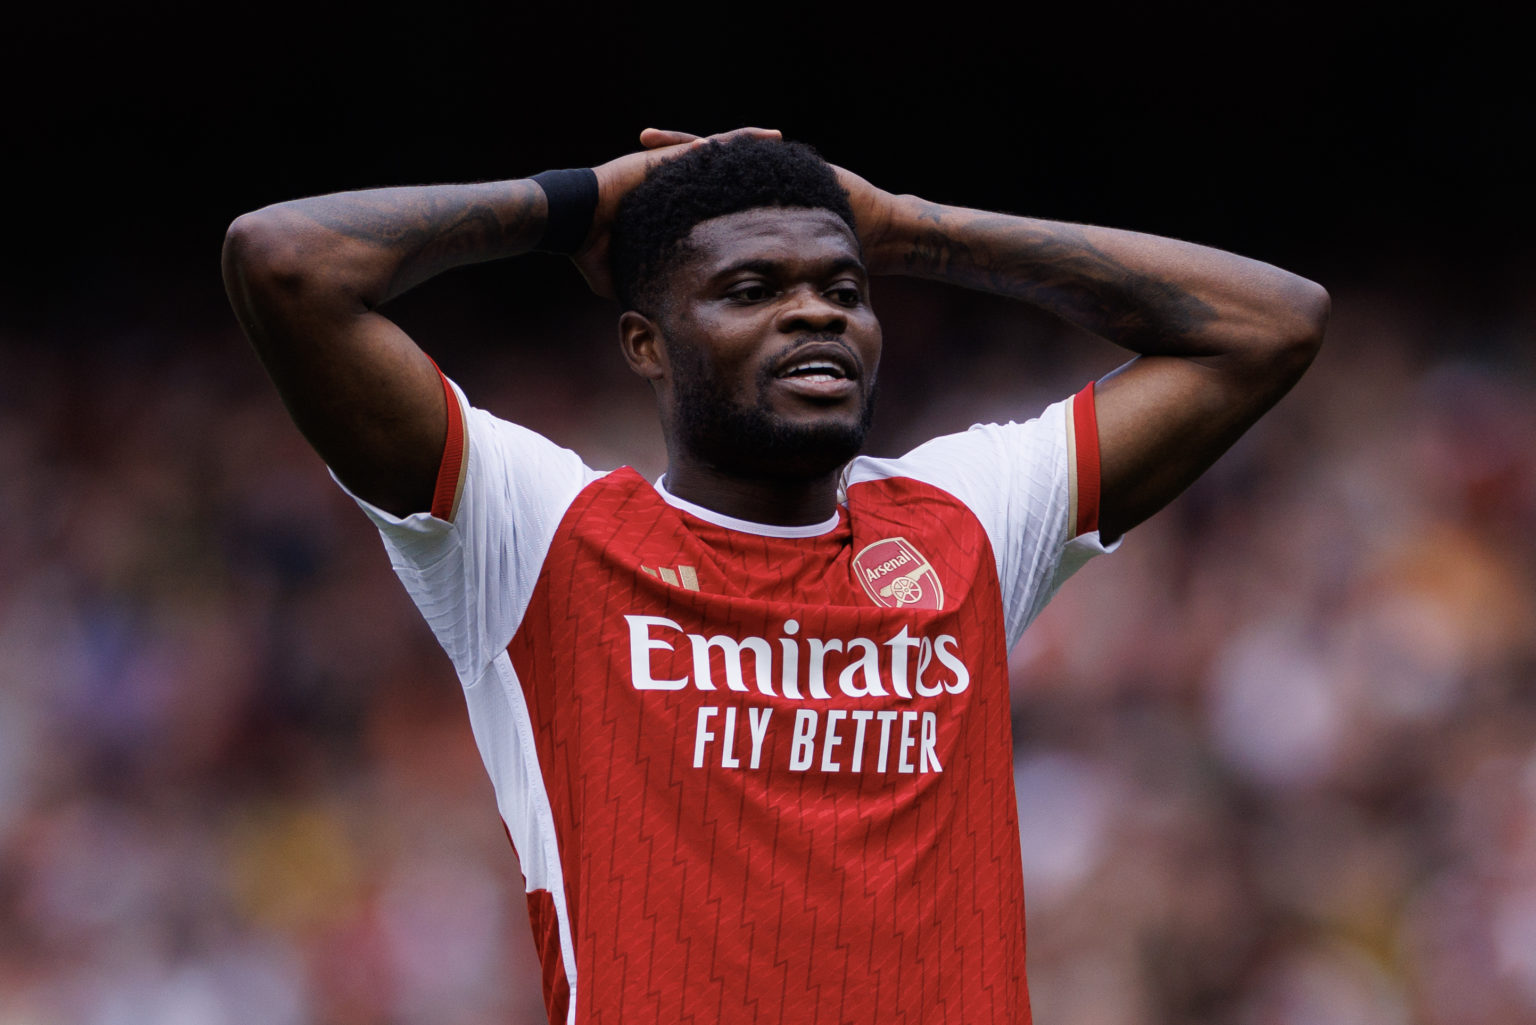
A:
756, 773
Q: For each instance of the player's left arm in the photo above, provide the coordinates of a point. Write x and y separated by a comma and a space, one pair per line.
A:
1220, 337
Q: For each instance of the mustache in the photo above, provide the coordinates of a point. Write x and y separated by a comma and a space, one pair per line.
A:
819, 338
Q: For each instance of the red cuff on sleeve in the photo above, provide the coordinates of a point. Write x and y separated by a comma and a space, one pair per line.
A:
445, 495
1085, 437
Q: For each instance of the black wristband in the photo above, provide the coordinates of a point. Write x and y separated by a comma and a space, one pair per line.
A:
572, 200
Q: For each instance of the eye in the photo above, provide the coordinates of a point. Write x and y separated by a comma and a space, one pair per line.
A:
749, 292
846, 293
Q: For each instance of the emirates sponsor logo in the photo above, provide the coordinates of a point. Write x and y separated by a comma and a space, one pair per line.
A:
794, 667
825, 738
903, 742
897, 576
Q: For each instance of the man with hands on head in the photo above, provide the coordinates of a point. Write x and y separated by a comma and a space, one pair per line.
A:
748, 726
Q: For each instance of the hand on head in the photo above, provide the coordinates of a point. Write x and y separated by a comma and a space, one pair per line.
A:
658, 138
618, 176
871, 206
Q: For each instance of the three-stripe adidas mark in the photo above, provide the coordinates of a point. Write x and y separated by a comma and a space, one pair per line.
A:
684, 576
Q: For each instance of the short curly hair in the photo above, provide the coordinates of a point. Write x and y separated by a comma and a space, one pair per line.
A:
718, 178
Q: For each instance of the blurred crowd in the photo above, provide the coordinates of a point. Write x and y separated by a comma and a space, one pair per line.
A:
1276, 758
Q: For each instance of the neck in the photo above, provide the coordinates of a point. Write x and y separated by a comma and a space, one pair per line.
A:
784, 502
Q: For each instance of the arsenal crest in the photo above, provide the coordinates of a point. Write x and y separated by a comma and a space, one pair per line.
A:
896, 575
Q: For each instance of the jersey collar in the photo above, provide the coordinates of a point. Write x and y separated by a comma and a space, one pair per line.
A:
745, 526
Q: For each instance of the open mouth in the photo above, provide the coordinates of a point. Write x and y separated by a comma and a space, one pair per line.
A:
815, 370
819, 363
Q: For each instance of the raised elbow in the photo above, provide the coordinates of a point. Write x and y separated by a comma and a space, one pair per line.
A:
258, 246
1297, 322
1311, 305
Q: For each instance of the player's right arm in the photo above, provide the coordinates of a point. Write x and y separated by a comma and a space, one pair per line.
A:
306, 279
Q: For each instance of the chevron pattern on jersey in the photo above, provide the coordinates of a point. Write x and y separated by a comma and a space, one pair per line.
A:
776, 800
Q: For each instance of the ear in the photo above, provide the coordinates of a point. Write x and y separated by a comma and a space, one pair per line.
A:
641, 342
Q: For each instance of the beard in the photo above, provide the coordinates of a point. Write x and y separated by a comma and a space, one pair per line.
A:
753, 440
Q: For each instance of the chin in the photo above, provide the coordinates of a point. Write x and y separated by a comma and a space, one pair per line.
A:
790, 450
753, 439
756, 443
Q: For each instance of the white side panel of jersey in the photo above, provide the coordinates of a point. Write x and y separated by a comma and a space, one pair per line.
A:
472, 578
504, 733
1018, 480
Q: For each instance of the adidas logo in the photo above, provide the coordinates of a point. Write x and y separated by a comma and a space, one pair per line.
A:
684, 576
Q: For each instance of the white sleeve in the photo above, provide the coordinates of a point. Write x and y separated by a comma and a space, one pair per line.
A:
471, 563
1034, 487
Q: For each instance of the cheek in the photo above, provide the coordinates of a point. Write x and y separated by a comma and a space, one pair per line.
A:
690, 373
729, 356
870, 347
699, 376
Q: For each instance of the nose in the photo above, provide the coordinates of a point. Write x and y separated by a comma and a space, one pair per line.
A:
806, 309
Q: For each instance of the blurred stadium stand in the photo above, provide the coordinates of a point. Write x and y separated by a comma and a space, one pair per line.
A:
1276, 758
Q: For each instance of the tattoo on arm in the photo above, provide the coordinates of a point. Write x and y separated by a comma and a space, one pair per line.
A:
433, 228
1059, 269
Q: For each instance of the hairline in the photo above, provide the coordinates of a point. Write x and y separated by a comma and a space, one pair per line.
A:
686, 248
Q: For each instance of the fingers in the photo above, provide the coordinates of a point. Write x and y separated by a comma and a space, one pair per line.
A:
757, 133
655, 138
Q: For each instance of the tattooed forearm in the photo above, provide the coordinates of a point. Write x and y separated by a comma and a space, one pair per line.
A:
1059, 268
424, 231
415, 216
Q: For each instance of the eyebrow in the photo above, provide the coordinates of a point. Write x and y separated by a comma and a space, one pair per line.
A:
767, 266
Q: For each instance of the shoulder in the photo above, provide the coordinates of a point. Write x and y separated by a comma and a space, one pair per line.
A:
1014, 476
979, 460
499, 458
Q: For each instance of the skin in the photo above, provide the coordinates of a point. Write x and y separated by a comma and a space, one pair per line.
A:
1219, 338
306, 279
765, 289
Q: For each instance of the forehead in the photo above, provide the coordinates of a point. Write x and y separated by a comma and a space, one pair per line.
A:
777, 234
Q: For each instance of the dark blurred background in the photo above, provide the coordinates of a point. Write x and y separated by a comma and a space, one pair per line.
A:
1276, 758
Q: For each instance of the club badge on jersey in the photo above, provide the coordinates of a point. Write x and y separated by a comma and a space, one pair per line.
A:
897, 576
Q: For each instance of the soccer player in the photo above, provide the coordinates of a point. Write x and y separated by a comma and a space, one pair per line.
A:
748, 726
